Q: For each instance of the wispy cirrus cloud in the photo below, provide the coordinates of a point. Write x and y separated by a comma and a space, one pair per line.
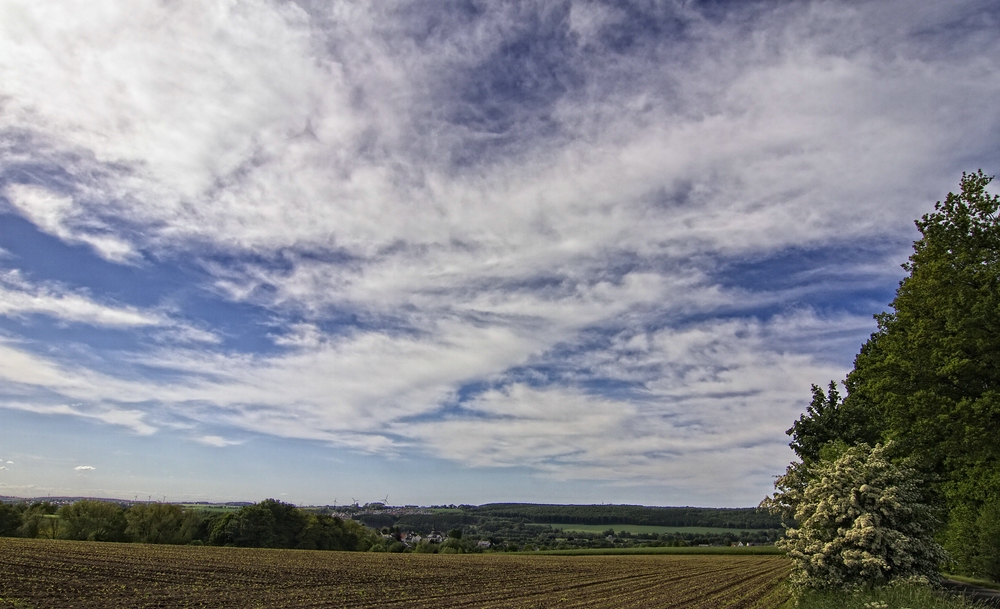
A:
643, 407
129, 418
675, 402
57, 215
600, 241
19, 297
216, 441
724, 127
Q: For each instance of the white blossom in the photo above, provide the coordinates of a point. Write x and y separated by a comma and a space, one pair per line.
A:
861, 521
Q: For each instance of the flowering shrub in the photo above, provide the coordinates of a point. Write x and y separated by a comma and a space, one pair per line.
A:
861, 521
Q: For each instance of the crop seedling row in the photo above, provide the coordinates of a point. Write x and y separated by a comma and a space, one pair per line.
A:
47, 574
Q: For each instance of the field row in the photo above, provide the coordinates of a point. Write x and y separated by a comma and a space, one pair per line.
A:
41, 574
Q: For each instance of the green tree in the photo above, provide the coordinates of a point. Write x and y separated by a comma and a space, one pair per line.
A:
220, 532
289, 521
861, 520
10, 519
988, 525
198, 525
93, 521
928, 380
828, 420
973, 537
33, 519
195, 526
325, 532
51, 526
361, 538
155, 523
931, 373
252, 526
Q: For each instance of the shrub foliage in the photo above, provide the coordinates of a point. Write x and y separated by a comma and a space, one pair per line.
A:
861, 520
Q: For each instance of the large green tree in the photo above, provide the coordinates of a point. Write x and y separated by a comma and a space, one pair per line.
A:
830, 422
251, 526
324, 532
928, 380
930, 375
274, 524
155, 523
94, 521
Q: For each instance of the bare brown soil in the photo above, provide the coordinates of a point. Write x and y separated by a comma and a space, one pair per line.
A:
39, 574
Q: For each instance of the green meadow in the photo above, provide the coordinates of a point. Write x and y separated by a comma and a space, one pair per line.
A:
717, 550
636, 529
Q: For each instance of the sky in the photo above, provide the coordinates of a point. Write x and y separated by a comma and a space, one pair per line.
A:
458, 251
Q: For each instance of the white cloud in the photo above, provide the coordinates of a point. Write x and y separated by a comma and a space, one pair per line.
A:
300, 335
218, 441
18, 297
761, 131
83, 468
319, 147
56, 214
180, 333
29, 374
707, 397
129, 418
342, 389
702, 394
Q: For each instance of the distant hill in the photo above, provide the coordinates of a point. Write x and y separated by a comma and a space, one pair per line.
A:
729, 518
492, 514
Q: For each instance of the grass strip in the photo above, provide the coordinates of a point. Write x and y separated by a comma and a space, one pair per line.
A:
729, 551
908, 596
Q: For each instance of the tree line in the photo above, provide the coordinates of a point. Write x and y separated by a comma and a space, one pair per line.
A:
727, 518
901, 475
268, 524
273, 524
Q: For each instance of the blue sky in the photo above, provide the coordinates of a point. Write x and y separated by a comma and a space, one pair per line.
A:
457, 252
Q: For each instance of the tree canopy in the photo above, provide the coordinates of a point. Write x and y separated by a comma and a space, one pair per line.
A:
268, 524
930, 375
93, 521
928, 379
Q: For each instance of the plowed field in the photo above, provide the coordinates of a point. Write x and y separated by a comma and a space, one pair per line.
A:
41, 573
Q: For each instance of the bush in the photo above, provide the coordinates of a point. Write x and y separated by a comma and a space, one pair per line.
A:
989, 540
89, 520
861, 521
973, 539
423, 547
39, 519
